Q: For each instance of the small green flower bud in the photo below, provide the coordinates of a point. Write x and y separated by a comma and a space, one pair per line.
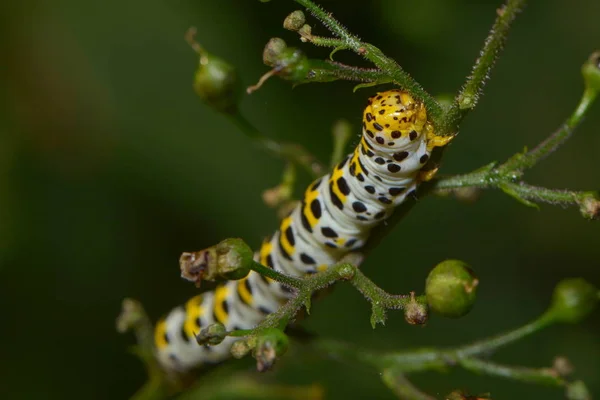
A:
591, 72
234, 258
288, 63
562, 366
215, 81
132, 315
294, 21
212, 335
573, 299
305, 32
589, 206
416, 313
240, 348
578, 391
230, 259
217, 84
272, 343
273, 50
347, 272
451, 288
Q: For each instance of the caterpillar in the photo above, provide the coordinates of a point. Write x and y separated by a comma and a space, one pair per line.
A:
334, 218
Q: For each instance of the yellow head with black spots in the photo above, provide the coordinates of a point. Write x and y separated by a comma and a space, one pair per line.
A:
392, 119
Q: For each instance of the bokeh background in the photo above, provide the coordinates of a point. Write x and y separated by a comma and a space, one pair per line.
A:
110, 167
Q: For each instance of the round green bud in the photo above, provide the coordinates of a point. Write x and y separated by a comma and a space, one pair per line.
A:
294, 21
234, 258
416, 313
451, 289
217, 83
346, 272
273, 51
212, 335
271, 343
573, 299
591, 72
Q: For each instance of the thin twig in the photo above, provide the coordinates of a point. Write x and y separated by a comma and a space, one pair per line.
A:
376, 56
469, 95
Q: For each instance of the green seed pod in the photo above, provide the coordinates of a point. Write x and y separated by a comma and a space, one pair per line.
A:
294, 21
271, 343
212, 335
451, 288
573, 299
591, 72
273, 50
217, 83
416, 313
234, 258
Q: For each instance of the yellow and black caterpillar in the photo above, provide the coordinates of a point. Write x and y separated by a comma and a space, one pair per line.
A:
334, 217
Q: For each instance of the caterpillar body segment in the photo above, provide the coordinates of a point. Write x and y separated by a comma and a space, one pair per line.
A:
333, 219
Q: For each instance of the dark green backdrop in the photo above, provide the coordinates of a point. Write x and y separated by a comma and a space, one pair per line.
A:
110, 167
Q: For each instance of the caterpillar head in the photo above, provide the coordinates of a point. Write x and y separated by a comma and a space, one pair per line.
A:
393, 119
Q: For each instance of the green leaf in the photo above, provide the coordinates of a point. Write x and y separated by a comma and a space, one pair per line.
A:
377, 315
512, 193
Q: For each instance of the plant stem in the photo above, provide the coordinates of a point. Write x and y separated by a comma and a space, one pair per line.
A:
543, 376
469, 95
520, 162
495, 342
376, 56
290, 152
277, 276
328, 71
504, 176
306, 287
402, 387
552, 196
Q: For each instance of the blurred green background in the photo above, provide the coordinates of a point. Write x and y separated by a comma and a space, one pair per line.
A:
110, 167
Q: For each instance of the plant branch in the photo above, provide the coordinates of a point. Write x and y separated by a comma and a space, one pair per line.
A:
469, 95
505, 176
306, 287
328, 71
541, 376
402, 387
520, 162
376, 56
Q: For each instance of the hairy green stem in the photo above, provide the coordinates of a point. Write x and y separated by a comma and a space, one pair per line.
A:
504, 176
543, 376
306, 287
469, 95
277, 276
491, 344
402, 387
289, 152
521, 162
327, 71
376, 56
